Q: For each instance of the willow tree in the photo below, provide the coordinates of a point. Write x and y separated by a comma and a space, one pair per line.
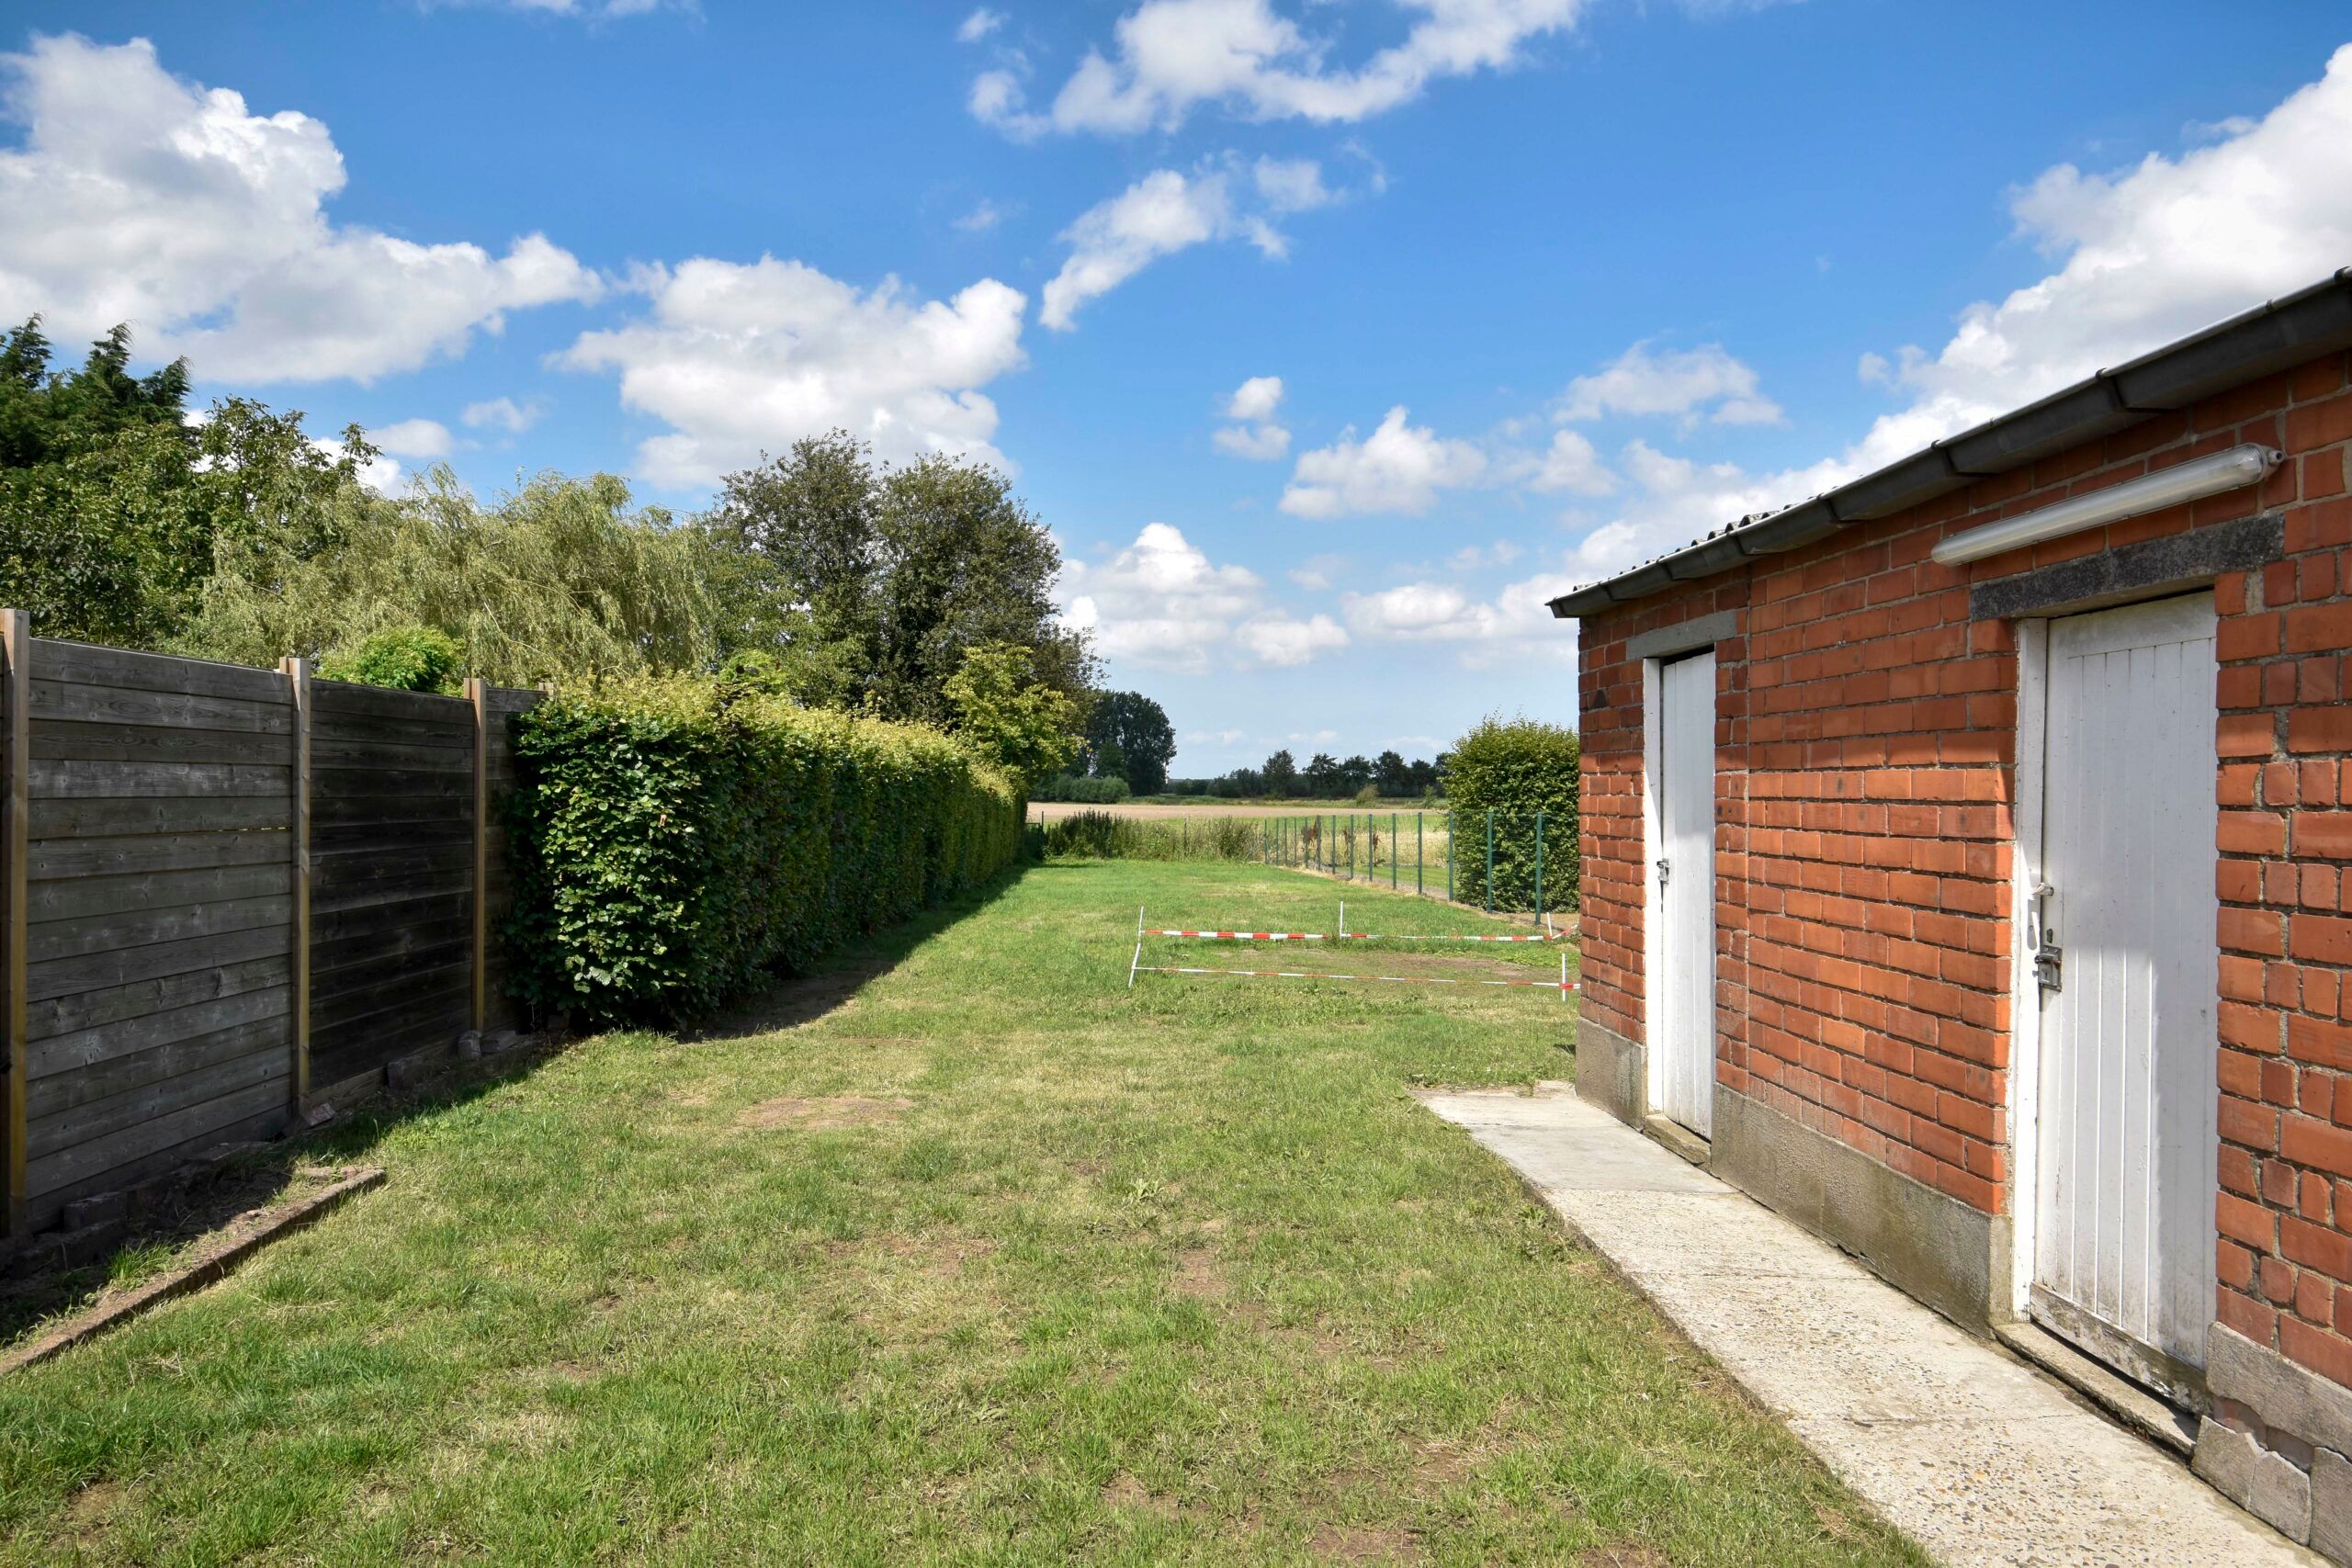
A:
560, 577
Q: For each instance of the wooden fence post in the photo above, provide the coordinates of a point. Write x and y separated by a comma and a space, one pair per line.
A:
298, 681
16, 843
478, 694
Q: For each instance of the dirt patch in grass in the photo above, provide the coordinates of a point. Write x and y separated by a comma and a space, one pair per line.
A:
1126, 1492
1621, 1554
826, 1114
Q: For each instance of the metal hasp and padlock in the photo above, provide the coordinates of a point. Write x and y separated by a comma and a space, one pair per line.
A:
2049, 958
1662, 864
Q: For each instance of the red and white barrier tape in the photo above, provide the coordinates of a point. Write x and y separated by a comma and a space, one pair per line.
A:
1392, 979
1345, 936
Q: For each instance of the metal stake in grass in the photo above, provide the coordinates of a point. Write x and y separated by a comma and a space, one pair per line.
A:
1138, 959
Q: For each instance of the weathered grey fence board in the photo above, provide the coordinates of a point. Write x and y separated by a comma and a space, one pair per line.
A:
56, 700
347, 701
117, 1156
420, 947
54, 780
68, 740
86, 898
160, 813
136, 855
80, 1106
377, 758
109, 1008
86, 1048
86, 664
133, 929
90, 972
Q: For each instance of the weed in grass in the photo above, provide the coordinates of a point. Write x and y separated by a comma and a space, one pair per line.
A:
1180, 1273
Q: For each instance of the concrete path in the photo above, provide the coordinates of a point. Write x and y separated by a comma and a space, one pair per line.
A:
1971, 1452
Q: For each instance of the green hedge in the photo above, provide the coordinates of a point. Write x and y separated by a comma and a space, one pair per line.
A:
675, 841
1519, 769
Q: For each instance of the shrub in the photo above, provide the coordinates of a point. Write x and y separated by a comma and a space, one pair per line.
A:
675, 840
1518, 768
408, 658
1106, 835
1082, 790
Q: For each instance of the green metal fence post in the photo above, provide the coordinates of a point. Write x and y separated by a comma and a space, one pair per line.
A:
1490, 860
1539, 868
1449, 854
1417, 851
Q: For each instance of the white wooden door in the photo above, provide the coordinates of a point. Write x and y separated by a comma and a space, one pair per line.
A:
1684, 999
2123, 1247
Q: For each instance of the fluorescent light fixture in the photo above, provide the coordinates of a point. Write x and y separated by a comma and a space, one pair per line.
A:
2232, 469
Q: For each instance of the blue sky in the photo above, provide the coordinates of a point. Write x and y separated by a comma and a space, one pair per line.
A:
1628, 270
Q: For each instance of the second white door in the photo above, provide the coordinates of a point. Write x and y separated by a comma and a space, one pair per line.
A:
2123, 1255
1684, 992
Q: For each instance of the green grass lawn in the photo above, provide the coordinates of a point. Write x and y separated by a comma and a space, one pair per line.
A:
993, 1261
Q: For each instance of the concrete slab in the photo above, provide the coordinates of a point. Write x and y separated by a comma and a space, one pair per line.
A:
1978, 1456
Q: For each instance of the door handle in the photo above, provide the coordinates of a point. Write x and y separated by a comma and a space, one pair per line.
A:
1663, 866
2049, 958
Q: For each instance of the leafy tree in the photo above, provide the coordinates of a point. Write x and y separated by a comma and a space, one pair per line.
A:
560, 577
1111, 762
1009, 716
901, 570
1140, 727
1355, 774
1391, 775
1322, 775
116, 508
1280, 774
409, 659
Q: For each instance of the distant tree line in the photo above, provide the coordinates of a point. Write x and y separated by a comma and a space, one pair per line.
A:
1325, 777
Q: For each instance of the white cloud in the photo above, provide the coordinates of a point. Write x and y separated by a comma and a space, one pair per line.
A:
978, 24
1257, 443
2151, 255
984, 216
1171, 56
1258, 437
424, 439
744, 359
1283, 639
1161, 213
140, 198
504, 412
1570, 464
1687, 383
1397, 468
1517, 622
1215, 737
1163, 604
596, 10
1291, 184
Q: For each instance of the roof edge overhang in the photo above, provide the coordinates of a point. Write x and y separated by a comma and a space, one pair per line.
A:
2266, 339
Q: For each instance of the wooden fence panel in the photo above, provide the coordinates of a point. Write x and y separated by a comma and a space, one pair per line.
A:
172, 897
391, 848
157, 915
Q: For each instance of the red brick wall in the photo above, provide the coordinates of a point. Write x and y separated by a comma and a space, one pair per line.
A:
1866, 735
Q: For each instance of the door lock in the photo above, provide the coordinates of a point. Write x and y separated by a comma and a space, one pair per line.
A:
2049, 958
1663, 866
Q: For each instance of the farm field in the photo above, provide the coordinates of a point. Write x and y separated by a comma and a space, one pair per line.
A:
962, 1253
1210, 806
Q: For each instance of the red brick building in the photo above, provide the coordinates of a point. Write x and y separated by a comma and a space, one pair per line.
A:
1968, 873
